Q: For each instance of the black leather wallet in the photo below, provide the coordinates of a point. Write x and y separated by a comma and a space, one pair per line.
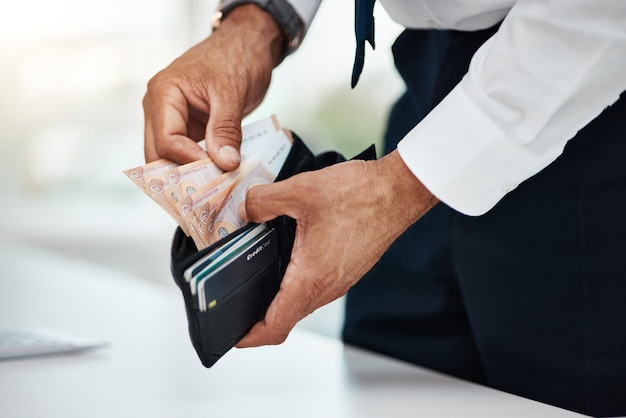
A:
215, 331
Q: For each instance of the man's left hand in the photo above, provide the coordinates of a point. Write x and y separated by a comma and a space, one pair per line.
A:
347, 216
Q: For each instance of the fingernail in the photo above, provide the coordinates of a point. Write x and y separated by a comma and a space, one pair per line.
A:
230, 155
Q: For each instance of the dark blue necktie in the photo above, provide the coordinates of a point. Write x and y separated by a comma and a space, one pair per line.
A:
364, 30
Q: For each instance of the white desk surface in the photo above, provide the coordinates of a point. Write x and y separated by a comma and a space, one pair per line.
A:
151, 370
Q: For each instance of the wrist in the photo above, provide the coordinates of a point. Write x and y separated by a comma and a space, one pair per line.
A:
262, 28
408, 197
284, 13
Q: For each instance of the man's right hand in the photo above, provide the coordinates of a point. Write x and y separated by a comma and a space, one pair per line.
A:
205, 93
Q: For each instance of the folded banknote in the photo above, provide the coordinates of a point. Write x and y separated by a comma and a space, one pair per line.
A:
206, 201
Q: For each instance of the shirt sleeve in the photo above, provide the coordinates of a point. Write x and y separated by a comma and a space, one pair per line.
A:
551, 68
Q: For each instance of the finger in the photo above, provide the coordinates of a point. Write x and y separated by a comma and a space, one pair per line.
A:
223, 133
168, 116
149, 149
288, 307
181, 149
268, 201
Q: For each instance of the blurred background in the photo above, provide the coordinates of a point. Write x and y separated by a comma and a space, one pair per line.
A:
72, 78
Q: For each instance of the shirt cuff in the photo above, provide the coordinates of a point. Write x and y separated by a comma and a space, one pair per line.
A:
465, 159
306, 9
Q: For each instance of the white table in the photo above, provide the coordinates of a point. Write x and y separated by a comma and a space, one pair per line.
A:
151, 370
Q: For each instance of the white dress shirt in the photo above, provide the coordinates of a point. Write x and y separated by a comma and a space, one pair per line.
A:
552, 67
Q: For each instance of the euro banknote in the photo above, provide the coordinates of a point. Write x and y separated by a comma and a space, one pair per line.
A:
205, 201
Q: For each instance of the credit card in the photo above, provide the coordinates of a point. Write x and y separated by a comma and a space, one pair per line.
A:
219, 258
236, 268
201, 264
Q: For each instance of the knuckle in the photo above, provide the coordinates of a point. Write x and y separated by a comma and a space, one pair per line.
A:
309, 289
275, 332
252, 201
158, 88
146, 101
154, 84
228, 129
316, 289
279, 337
253, 195
161, 84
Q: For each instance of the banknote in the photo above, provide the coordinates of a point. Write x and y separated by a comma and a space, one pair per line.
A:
199, 209
217, 212
267, 166
219, 199
188, 180
152, 179
253, 135
204, 200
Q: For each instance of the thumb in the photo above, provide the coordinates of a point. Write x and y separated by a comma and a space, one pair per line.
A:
223, 137
268, 201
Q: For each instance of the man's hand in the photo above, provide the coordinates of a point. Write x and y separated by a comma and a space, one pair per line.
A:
205, 93
347, 216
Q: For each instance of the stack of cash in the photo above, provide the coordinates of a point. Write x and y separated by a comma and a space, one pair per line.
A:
206, 202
